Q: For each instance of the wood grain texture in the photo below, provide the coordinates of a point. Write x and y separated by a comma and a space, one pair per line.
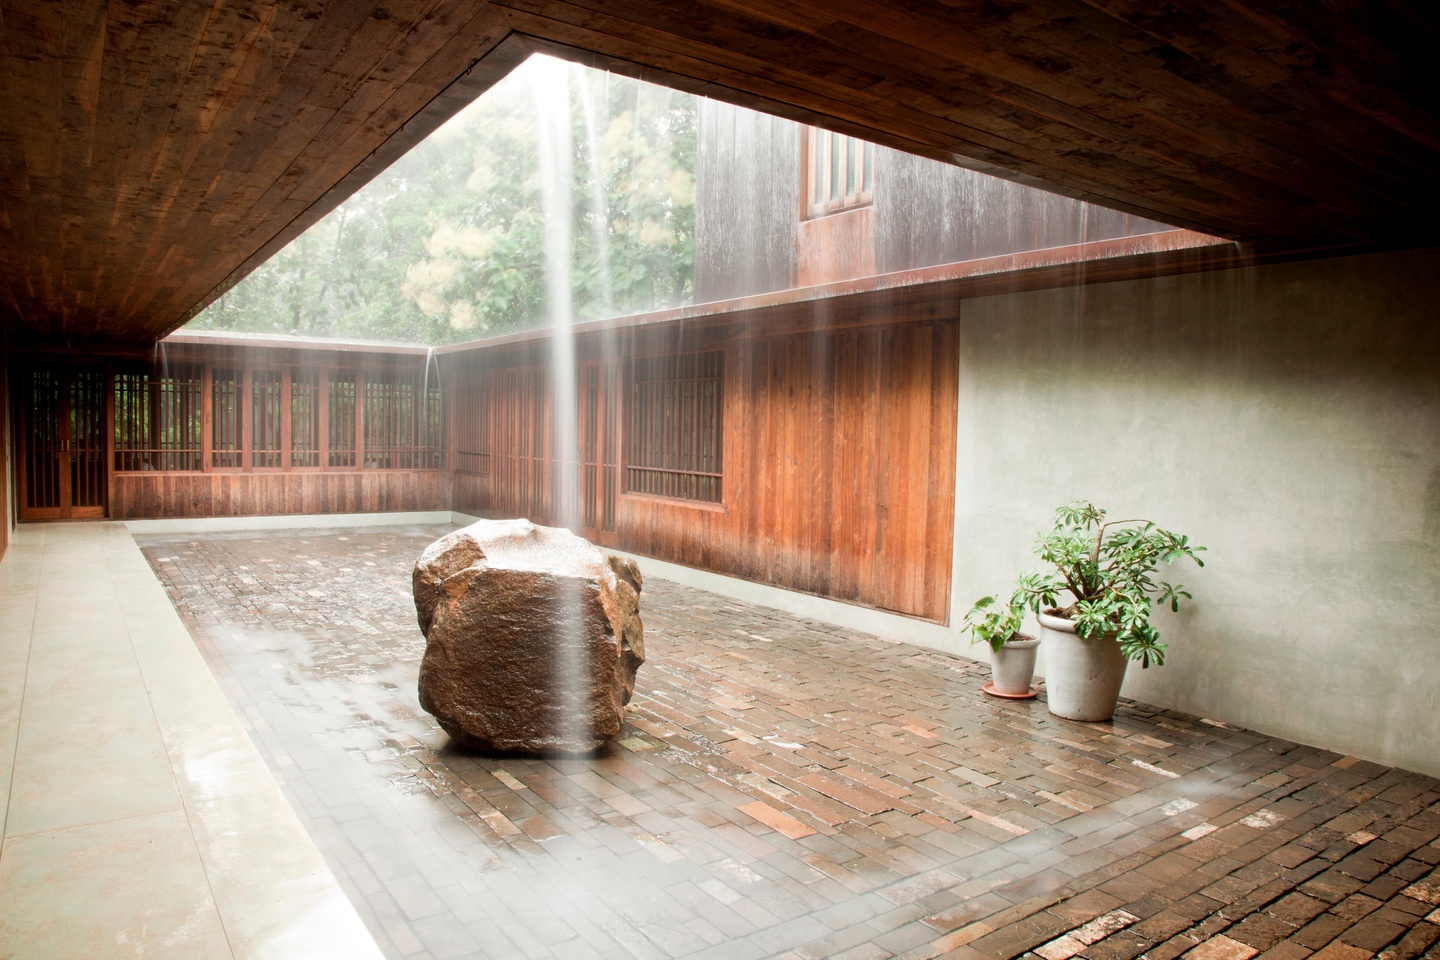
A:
838, 461
152, 153
137, 496
5, 434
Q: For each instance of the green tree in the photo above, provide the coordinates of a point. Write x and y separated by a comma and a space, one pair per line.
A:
448, 244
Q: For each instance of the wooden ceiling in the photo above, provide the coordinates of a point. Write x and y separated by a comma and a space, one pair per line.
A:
152, 152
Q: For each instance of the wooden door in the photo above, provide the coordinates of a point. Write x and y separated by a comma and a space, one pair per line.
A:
61, 412
599, 402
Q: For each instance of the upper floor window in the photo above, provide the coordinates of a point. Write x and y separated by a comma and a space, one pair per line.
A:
839, 172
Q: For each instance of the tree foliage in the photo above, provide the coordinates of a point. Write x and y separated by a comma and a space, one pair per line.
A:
448, 244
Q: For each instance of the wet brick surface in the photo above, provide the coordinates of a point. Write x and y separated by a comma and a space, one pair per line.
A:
787, 788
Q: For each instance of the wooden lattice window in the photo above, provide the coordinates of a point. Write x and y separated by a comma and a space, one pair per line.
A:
520, 466
342, 419
472, 433
673, 426
305, 419
225, 418
43, 405
158, 419
839, 172
266, 418
196, 417
402, 423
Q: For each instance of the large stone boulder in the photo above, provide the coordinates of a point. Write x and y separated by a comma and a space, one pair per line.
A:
533, 637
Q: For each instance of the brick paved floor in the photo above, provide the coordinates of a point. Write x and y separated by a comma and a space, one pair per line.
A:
787, 788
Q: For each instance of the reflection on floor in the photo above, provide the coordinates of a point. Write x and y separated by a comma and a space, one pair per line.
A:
138, 818
786, 788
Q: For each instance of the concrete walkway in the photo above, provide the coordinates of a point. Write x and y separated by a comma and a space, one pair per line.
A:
139, 820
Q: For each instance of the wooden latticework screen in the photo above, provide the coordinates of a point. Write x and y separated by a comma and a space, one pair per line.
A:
158, 419
472, 430
673, 429
62, 436
219, 418
520, 454
402, 424
225, 406
599, 445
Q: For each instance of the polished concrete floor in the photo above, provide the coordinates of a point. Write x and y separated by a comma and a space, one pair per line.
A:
789, 788
139, 819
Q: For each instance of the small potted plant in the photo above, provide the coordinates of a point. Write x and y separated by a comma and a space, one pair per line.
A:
1012, 653
1107, 568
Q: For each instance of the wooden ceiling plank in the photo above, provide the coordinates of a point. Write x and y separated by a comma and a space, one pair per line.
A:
167, 34
16, 217
260, 137
34, 44
762, 48
373, 54
1289, 166
1296, 59
1313, 122
86, 36
1281, 188
324, 163
124, 76
478, 31
316, 138
1101, 94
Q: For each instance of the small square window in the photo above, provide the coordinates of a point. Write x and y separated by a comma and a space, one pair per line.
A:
839, 172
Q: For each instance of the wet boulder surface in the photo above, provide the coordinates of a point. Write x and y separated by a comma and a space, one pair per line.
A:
533, 637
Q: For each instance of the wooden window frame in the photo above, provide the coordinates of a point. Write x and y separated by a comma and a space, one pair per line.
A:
155, 418
408, 429
656, 459
820, 194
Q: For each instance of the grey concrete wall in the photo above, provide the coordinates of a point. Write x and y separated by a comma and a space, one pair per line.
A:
1286, 417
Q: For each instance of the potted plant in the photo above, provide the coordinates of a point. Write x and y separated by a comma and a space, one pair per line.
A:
1107, 568
1012, 653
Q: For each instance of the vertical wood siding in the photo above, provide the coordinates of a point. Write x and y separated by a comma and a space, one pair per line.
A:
838, 465
4, 450
136, 496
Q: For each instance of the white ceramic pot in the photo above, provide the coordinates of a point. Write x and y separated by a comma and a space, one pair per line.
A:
1082, 677
1012, 667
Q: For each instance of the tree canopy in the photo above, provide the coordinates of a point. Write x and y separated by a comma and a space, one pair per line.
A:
449, 243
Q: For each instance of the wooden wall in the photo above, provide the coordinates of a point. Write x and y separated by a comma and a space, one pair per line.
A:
747, 203
752, 235
5, 480
838, 463
135, 496
839, 472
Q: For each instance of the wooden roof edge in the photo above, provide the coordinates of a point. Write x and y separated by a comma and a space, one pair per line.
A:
263, 341
1143, 254
488, 68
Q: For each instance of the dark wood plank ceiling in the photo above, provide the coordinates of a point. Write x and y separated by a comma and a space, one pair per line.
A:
152, 152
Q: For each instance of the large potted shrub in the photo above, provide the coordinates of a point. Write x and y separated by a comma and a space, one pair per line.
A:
1012, 653
1106, 570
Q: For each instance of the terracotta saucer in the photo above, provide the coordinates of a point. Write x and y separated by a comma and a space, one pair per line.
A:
990, 689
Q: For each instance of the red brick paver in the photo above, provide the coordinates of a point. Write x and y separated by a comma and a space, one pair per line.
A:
786, 788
